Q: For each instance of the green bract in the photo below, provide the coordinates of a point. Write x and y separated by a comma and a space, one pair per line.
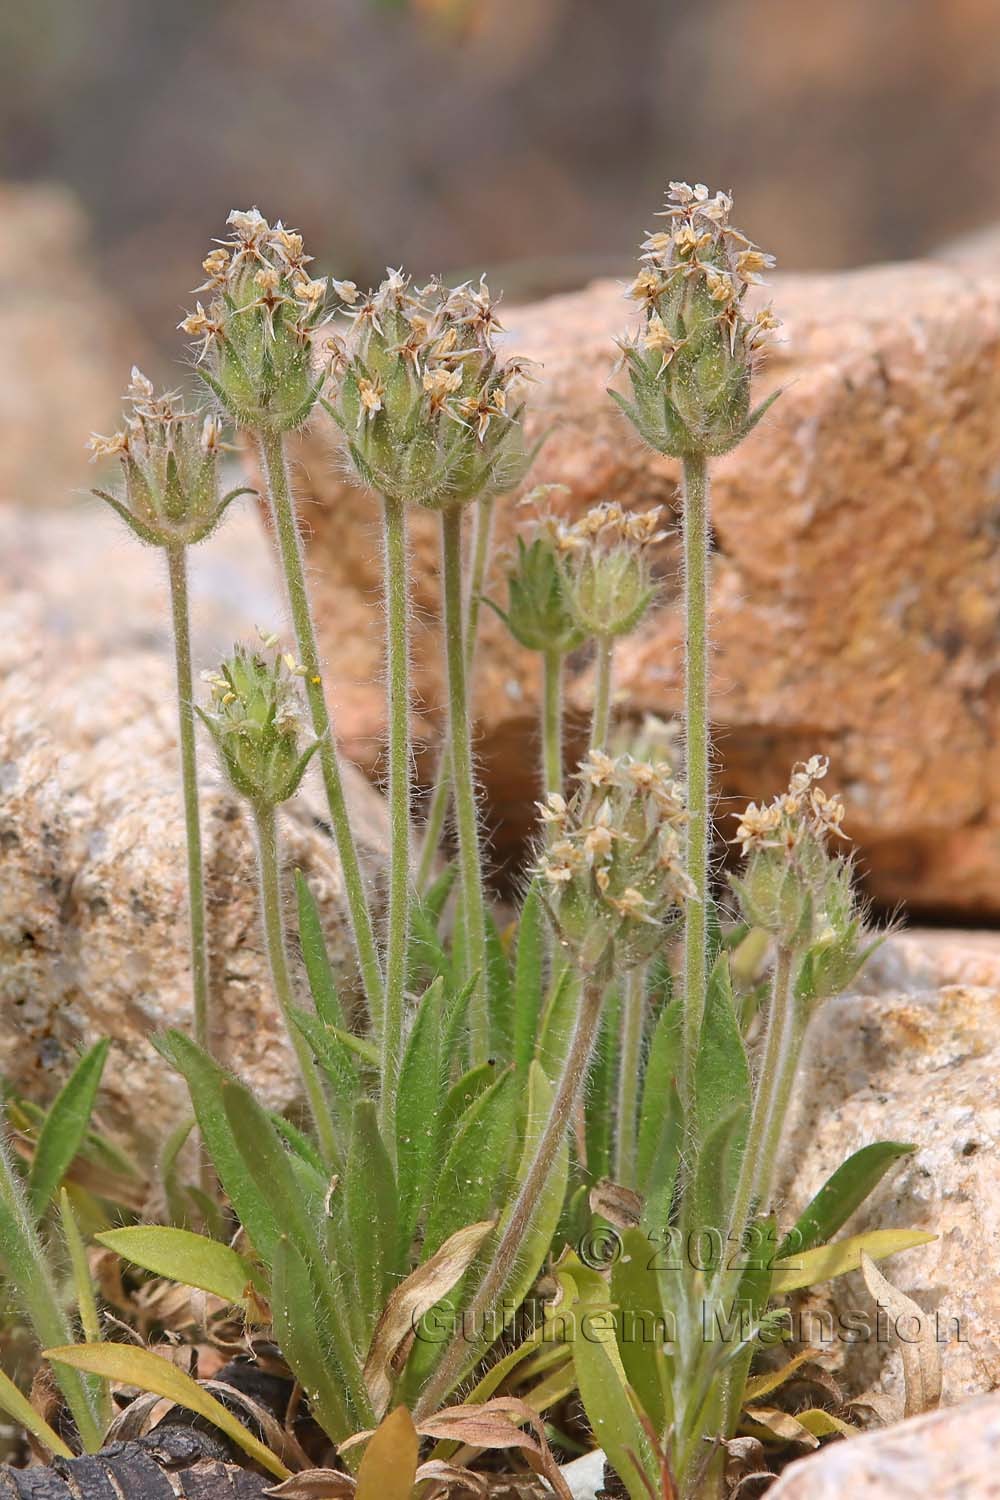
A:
538, 615
170, 462
254, 721
691, 368
428, 413
255, 342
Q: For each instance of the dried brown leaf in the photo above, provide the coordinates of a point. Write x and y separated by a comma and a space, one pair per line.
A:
619, 1205
781, 1425
411, 1300
316, 1484
922, 1355
497, 1424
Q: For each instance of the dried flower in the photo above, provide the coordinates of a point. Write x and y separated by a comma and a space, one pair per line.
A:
611, 874
606, 570
792, 886
254, 344
170, 463
691, 369
254, 719
426, 408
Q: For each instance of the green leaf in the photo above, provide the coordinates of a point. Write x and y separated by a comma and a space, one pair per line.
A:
723, 1092
557, 1023
20, 1409
335, 1059
529, 978
641, 1327
473, 1169
604, 1393
423, 1089
822, 1423
271, 1169
178, 1202
302, 1339
659, 1092
65, 1128
184, 1256
827, 1261
302, 1147
841, 1194
131, 1365
322, 984
463, 1093
371, 1215
436, 899
602, 1088
205, 1081
499, 995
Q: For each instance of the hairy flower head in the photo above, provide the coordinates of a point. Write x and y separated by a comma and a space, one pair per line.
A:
254, 717
611, 873
691, 365
253, 343
169, 457
429, 413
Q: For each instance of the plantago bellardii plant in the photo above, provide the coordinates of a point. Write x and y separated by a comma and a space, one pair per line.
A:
170, 498
429, 416
441, 1171
691, 371
255, 350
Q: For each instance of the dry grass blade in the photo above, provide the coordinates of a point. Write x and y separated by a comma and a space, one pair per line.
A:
922, 1355
316, 1484
410, 1301
497, 1424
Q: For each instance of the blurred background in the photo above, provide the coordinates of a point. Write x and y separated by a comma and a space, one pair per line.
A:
530, 137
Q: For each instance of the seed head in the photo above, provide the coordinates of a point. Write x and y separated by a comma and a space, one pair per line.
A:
690, 368
538, 613
170, 466
792, 886
611, 873
428, 413
605, 565
253, 716
254, 343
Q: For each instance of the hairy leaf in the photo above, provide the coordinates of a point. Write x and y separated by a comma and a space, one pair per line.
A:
827, 1261
322, 984
186, 1257
65, 1128
473, 1169
841, 1194
18, 1407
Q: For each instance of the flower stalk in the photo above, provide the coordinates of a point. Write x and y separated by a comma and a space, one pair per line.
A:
177, 572
437, 811
398, 698
290, 550
696, 711
266, 822
466, 815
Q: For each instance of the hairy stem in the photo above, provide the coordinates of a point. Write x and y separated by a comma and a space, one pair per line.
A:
441, 796
601, 720
396, 568
629, 1066
274, 935
697, 740
565, 1101
460, 732
782, 1048
177, 572
28, 1268
290, 547
552, 725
